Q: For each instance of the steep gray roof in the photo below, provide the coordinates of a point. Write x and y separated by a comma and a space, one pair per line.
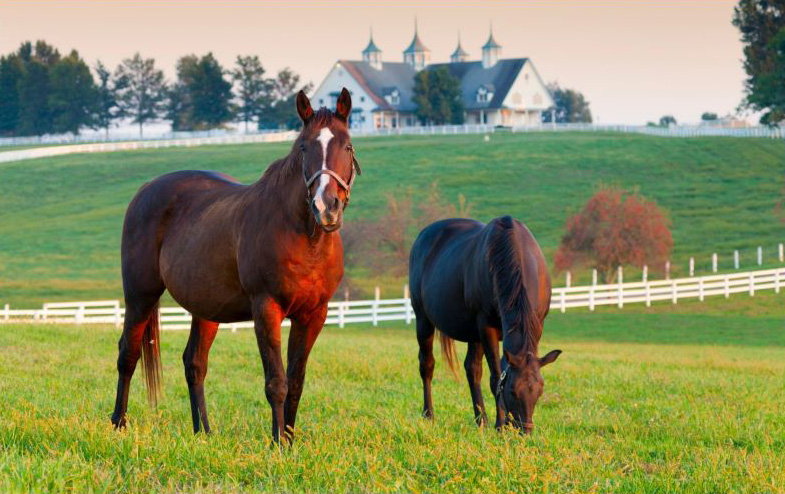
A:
398, 75
379, 83
472, 75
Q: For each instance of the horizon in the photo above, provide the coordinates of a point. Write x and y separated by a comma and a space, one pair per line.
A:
615, 53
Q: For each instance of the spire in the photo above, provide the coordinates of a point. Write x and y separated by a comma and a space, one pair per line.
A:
459, 55
491, 51
372, 54
417, 54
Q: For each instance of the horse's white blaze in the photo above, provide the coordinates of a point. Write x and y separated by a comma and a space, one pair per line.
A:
324, 139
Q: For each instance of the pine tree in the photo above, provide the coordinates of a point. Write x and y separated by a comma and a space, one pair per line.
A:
253, 90
107, 108
141, 90
74, 97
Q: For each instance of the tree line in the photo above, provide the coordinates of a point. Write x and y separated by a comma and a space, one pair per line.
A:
43, 92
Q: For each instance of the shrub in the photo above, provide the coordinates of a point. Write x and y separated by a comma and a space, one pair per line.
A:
615, 228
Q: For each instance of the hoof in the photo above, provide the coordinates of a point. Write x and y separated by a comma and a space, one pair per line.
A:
119, 423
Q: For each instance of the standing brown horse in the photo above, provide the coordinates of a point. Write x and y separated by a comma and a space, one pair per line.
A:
481, 284
229, 252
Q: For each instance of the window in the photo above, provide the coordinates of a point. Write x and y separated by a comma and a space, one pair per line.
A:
321, 101
362, 99
484, 95
394, 97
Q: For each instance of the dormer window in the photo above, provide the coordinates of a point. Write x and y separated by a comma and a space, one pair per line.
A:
393, 97
484, 94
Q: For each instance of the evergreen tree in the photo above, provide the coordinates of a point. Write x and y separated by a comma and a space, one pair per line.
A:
201, 98
142, 90
762, 27
11, 73
107, 108
74, 97
253, 89
570, 106
34, 88
282, 92
437, 95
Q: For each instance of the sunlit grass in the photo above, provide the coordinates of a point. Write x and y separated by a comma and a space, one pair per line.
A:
633, 405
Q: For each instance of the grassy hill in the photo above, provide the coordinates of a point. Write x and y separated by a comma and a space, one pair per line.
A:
60, 218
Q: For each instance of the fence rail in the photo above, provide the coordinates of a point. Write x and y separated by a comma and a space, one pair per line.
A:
400, 309
67, 145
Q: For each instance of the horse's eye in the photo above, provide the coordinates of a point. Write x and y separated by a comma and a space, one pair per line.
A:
349, 147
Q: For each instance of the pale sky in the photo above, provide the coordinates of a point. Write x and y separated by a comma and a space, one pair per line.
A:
633, 60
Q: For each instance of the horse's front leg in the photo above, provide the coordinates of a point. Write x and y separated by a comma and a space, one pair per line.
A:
305, 330
267, 316
490, 345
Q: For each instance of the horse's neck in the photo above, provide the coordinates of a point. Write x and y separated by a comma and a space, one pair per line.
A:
280, 195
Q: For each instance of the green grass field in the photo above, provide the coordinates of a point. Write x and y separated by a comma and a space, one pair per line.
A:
60, 218
636, 403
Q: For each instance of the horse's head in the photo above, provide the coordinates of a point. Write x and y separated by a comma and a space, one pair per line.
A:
521, 385
327, 157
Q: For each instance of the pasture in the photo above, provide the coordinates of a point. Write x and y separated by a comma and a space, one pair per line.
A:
61, 217
658, 402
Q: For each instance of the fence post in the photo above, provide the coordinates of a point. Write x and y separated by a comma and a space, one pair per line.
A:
407, 304
594, 277
377, 296
751, 281
776, 282
736, 259
7, 312
591, 298
117, 316
700, 288
760, 255
563, 300
692, 267
621, 288
667, 270
341, 316
714, 263
567, 279
645, 276
79, 317
727, 286
674, 293
44, 312
782, 253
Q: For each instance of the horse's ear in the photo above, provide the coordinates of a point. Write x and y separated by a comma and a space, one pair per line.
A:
549, 357
304, 107
343, 107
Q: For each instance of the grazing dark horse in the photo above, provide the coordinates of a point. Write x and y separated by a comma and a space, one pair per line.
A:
480, 284
229, 252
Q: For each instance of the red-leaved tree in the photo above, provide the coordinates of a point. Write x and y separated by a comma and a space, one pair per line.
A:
615, 228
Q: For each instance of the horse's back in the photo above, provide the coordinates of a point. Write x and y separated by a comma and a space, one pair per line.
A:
179, 227
437, 268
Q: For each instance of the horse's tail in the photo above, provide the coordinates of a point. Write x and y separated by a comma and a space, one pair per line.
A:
450, 355
151, 357
506, 263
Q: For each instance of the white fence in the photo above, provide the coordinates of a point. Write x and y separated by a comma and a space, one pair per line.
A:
376, 311
185, 139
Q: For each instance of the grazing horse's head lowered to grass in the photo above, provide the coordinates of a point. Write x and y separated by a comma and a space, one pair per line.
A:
328, 161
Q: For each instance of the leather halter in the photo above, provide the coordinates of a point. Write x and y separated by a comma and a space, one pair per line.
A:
347, 187
499, 395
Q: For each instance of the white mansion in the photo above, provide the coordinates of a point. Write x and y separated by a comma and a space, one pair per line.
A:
495, 91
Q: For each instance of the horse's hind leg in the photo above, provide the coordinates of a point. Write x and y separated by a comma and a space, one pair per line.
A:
195, 361
425, 333
138, 314
473, 366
